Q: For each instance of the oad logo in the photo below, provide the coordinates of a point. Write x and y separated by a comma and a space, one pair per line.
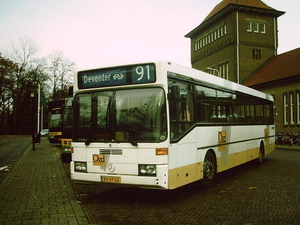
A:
222, 137
222, 141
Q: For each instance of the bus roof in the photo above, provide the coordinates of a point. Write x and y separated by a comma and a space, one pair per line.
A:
199, 76
217, 81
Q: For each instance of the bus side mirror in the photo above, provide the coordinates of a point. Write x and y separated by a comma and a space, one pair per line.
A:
175, 94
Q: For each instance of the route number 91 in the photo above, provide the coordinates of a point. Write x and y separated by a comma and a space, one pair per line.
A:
143, 72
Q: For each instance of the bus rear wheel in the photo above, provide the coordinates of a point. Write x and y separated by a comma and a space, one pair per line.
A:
209, 170
261, 154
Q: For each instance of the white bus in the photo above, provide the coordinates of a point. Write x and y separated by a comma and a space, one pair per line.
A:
160, 125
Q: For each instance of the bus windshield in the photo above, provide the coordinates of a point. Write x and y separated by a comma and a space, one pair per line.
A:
133, 115
67, 116
55, 121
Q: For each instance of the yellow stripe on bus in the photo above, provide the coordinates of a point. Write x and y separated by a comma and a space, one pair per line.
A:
186, 174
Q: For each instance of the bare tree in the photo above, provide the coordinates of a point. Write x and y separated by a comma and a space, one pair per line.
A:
61, 72
22, 53
25, 78
21, 73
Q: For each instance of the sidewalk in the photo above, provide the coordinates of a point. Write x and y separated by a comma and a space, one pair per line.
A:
38, 191
288, 147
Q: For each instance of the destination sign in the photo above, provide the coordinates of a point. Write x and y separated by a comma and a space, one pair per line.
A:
127, 75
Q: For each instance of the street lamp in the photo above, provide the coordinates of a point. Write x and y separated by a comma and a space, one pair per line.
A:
213, 69
32, 118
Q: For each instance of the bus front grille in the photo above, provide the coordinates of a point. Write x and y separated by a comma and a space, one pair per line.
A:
111, 151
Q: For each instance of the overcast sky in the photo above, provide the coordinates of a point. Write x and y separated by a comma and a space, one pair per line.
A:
96, 33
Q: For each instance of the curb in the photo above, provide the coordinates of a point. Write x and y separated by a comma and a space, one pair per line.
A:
287, 147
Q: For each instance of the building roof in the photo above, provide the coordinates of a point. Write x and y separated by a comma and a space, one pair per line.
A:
226, 6
280, 67
249, 3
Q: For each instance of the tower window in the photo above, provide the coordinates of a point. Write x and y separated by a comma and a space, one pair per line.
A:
262, 28
256, 53
212, 36
223, 69
255, 27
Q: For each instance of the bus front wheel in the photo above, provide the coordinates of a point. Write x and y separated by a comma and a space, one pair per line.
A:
209, 170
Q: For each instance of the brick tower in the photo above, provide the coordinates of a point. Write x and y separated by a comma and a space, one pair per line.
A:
235, 39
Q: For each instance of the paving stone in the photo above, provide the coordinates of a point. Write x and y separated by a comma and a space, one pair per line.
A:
38, 191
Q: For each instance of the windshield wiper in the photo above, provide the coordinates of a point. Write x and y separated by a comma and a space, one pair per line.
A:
89, 140
133, 142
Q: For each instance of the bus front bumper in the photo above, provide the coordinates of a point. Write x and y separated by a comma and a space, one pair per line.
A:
121, 180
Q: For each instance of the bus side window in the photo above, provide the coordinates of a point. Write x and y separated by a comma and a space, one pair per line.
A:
181, 108
205, 104
175, 108
187, 112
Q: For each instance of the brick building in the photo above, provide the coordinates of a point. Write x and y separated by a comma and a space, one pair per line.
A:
235, 39
238, 41
280, 77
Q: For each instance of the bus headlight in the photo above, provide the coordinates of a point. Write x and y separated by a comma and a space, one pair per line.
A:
80, 167
147, 170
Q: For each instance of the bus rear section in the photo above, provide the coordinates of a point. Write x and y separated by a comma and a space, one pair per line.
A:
67, 127
55, 126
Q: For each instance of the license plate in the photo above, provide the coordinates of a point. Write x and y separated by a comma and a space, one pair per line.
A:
98, 160
111, 179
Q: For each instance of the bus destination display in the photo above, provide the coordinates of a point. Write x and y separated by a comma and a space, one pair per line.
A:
136, 74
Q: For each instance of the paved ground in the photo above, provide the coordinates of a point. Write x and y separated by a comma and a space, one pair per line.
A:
38, 191
246, 195
12, 148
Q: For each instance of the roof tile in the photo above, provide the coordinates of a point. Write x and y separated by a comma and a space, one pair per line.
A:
280, 67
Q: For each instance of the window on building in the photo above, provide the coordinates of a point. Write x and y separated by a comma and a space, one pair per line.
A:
262, 28
223, 70
298, 107
249, 26
212, 70
285, 109
255, 27
220, 69
292, 108
210, 37
256, 53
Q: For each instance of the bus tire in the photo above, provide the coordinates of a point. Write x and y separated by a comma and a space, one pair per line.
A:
66, 157
209, 170
261, 154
